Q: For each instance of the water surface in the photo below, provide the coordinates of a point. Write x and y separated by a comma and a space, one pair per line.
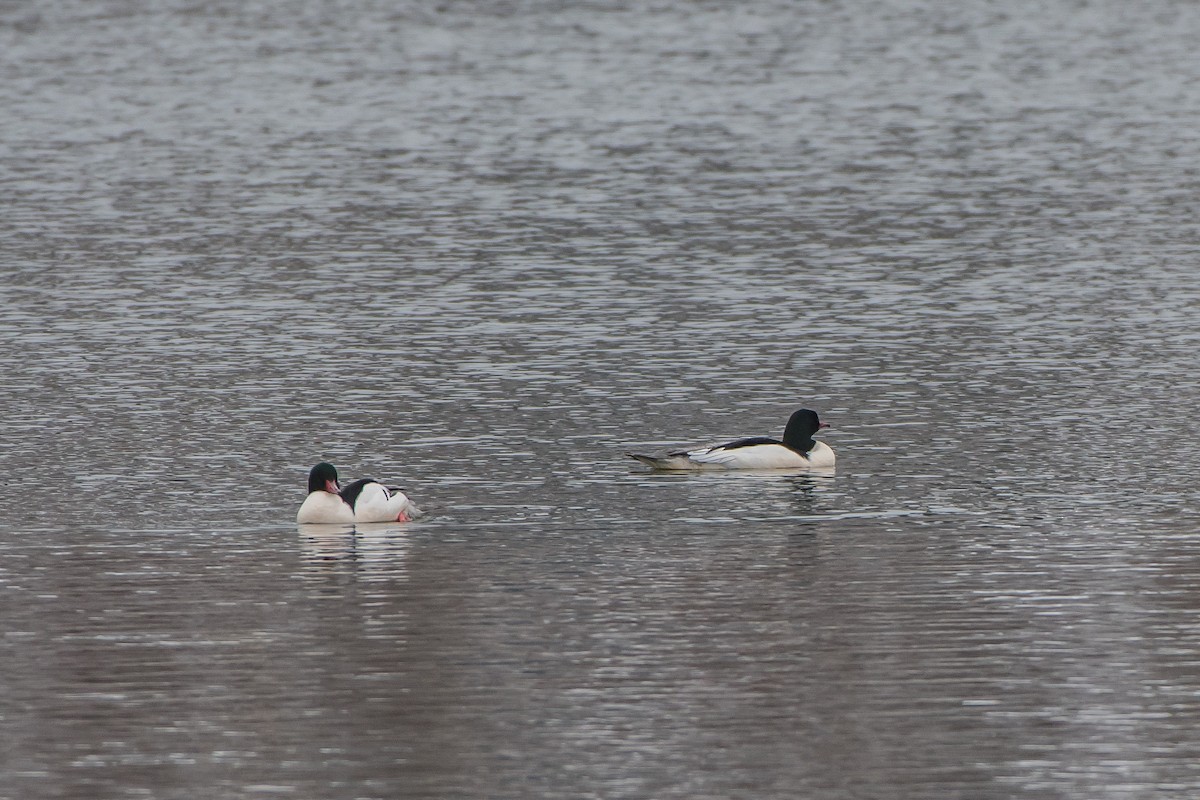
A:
480, 250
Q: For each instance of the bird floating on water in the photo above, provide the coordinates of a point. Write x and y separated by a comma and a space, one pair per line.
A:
797, 450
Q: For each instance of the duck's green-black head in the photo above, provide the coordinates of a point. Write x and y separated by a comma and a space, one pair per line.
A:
323, 478
800, 428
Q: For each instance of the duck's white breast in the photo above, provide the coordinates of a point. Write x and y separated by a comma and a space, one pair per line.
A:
322, 507
821, 456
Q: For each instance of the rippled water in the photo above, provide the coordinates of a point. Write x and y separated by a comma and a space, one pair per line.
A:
481, 250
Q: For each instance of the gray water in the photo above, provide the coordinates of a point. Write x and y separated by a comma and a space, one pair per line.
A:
480, 250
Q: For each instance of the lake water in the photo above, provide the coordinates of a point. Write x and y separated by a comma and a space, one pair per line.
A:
480, 250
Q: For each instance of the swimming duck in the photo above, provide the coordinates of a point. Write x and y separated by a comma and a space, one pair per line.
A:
798, 449
365, 500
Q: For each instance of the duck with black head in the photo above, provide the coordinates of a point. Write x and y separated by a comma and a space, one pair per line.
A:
797, 450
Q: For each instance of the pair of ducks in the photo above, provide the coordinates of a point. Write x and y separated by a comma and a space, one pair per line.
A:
365, 500
369, 500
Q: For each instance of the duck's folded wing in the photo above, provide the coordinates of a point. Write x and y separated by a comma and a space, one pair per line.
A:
748, 442
711, 455
727, 453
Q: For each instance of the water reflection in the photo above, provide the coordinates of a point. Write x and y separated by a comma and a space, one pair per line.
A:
371, 550
742, 494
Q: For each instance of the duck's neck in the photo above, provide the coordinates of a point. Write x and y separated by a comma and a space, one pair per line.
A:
802, 446
799, 438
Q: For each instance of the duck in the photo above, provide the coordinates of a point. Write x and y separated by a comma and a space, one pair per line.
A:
325, 503
365, 500
797, 450
374, 502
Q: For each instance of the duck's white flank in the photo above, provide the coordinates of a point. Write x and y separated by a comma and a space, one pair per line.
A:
759, 456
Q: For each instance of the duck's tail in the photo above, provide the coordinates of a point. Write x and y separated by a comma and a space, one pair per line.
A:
412, 512
669, 461
649, 461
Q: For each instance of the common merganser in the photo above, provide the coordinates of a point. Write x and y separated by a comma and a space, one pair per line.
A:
798, 449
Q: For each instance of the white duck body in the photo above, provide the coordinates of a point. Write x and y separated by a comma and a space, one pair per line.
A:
762, 455
377, 503
798, 450
323, 507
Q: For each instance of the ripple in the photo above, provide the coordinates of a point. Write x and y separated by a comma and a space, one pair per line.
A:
482, 249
